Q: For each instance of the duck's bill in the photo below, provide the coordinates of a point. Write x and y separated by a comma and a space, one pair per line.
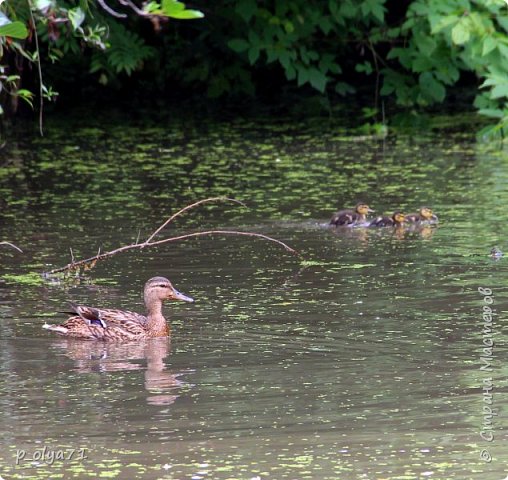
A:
370, 210
180, 296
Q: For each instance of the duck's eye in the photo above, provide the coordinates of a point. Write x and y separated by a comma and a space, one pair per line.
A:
163, 285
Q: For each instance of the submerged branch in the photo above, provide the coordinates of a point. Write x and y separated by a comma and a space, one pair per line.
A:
149, 242
11, 245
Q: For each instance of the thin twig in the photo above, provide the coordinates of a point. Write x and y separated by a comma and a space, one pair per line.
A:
134, 7
75, 265
224, 232
112, 12
188, 207
90, 262
39, 69
12, 245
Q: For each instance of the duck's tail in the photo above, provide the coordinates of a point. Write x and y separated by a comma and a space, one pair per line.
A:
56, 328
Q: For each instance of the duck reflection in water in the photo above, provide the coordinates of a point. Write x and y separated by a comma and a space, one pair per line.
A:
99, 357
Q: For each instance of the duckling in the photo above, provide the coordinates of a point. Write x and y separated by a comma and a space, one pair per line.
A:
396, 220
118, 325
351, 217
425, 214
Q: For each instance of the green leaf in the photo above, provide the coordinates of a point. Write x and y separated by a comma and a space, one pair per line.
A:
419, 8
246, 9
44, 4
284, 59
503, 49
26, 95
176, 9
317, 79
187, 15
489, 44
238, 45
169, 7
343, 88
491, 112
460, 33
253, 54
14, 30
290, 72
431, 87
499, 91
440, 23
303, 75
289, 27
503, 21
365, 67
271, 54
375, 7
325, 25
77, 17
379, 12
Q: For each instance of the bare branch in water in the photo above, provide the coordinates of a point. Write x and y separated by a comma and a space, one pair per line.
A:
149, 242
12, 245
188, 207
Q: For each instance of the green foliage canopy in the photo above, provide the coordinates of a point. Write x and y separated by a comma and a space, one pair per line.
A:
414, 53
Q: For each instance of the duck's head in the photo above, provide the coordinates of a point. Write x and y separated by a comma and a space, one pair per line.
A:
160, 289
363, 208
426, 213
398, 217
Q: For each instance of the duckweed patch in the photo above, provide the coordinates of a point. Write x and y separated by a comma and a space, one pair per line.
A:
31, 278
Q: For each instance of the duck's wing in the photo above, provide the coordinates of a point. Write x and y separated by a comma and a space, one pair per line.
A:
106, 317
99, 328
343, 217
381, 222
377, 222
412, 217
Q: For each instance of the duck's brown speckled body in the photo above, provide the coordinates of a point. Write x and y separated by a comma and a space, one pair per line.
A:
351, 217
425, 214
396, 220
119, 325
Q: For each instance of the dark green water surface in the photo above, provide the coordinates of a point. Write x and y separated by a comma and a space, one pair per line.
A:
360, 360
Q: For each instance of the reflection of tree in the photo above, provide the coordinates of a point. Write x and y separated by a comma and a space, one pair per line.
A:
110, 357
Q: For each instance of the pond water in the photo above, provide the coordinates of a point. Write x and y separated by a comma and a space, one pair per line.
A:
359, 360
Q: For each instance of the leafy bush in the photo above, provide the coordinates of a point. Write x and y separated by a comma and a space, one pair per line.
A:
414, 52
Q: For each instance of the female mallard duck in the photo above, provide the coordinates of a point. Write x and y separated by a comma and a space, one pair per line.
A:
118, 325
396, 220
425, 214
351, 217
